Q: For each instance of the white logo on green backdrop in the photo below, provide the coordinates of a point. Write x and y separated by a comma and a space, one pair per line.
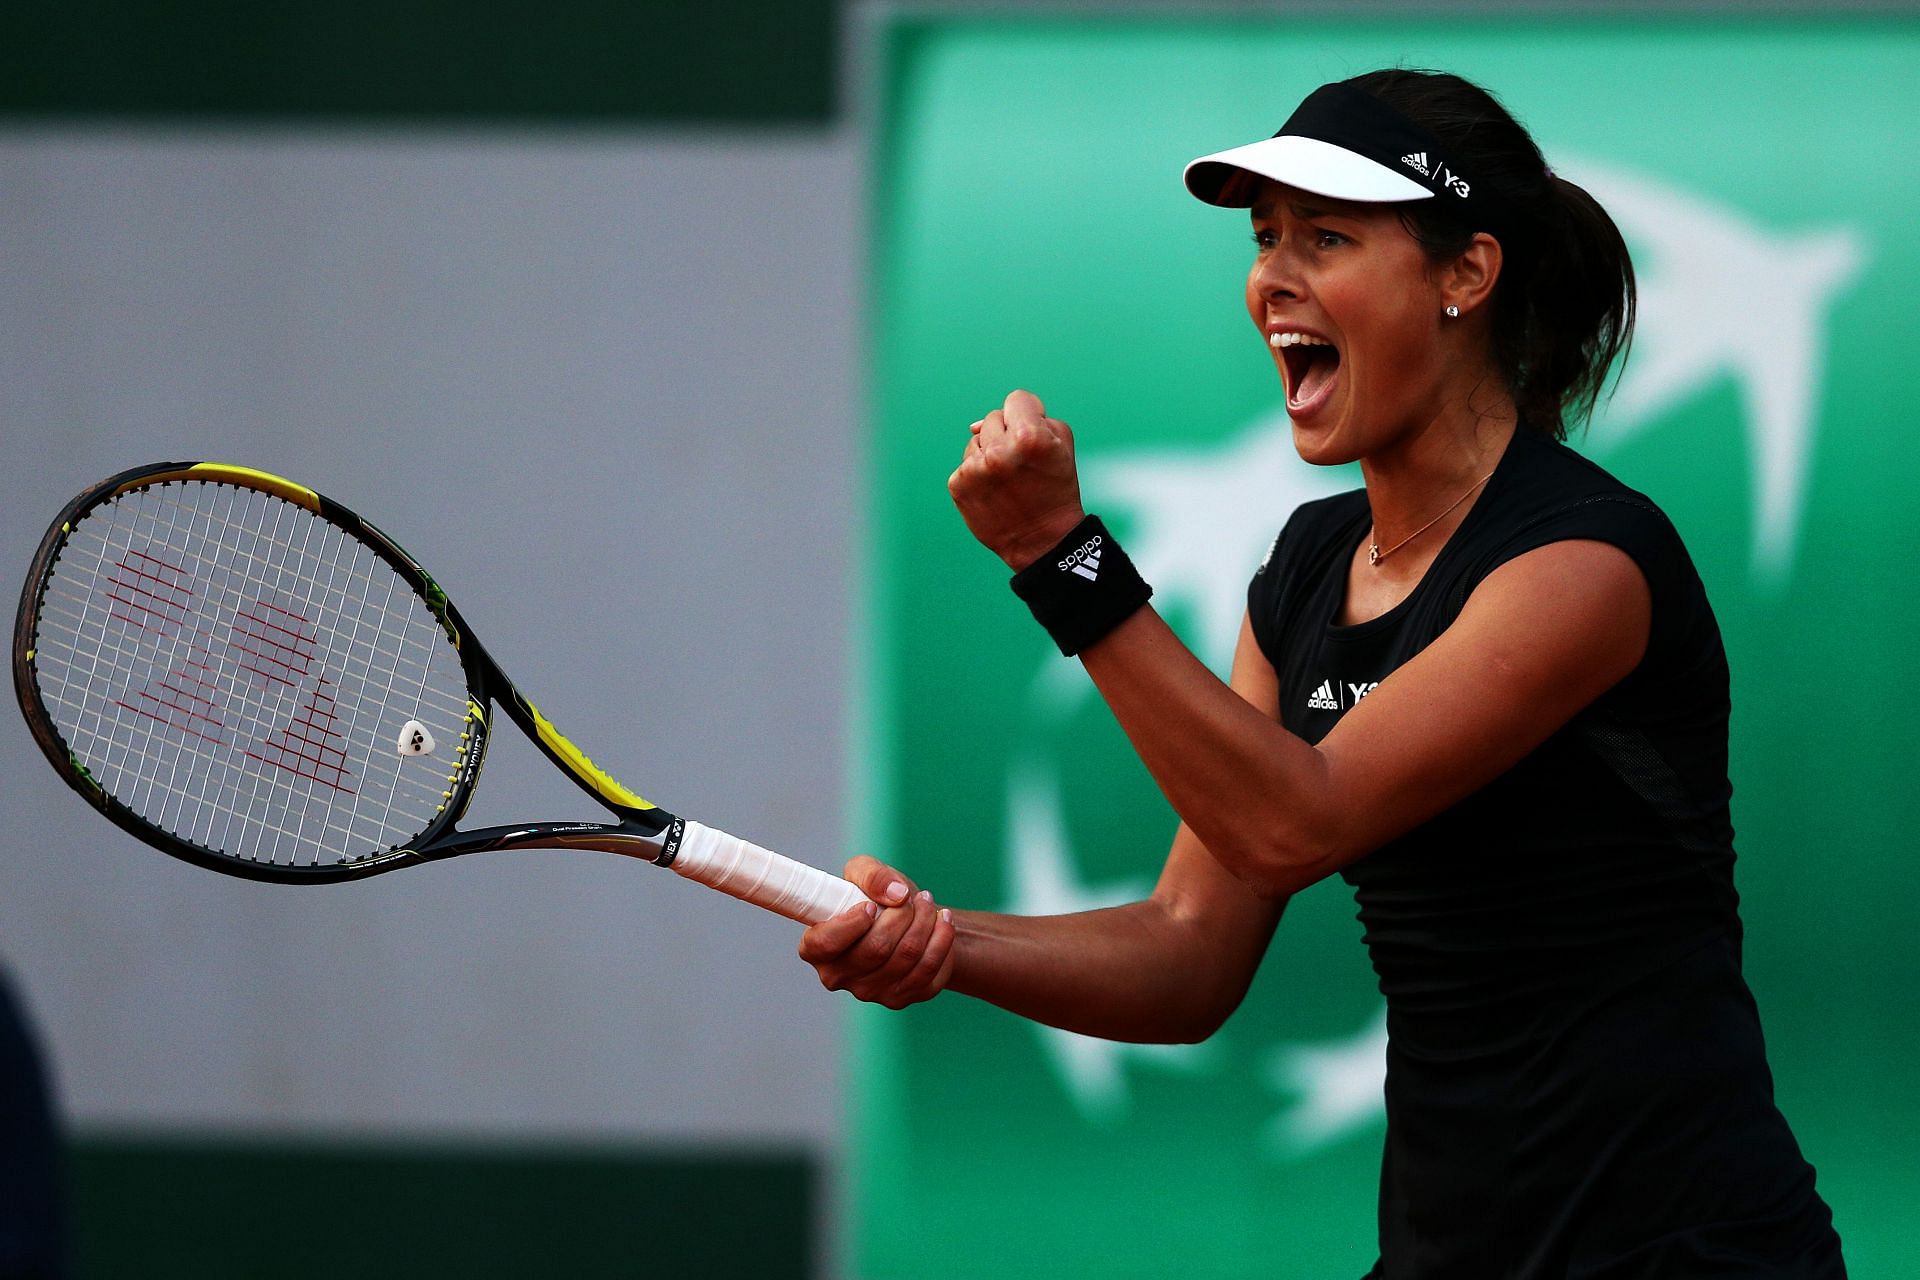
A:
1723, 297
1041, 239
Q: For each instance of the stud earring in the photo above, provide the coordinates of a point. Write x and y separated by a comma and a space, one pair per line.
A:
1453, 313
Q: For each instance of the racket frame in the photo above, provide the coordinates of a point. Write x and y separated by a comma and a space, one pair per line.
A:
640, 829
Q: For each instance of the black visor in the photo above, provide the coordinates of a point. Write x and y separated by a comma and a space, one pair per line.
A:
1344, 143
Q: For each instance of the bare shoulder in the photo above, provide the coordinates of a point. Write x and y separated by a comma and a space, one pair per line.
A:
1578, 597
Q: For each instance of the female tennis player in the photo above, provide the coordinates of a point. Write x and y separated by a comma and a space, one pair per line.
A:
1486, 690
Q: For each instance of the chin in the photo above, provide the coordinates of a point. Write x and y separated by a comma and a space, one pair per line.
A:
1320, 446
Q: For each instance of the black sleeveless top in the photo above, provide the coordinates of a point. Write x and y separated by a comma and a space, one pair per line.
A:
1576, 1083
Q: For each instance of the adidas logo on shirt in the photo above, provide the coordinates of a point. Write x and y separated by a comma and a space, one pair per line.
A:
1329, 696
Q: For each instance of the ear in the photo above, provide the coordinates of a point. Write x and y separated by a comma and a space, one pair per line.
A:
1467, 282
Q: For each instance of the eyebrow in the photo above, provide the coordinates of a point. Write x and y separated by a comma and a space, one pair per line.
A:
1300, 210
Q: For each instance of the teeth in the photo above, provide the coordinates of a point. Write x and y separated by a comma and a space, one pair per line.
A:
1289, 339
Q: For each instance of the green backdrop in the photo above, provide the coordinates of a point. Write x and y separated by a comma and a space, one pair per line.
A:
1030, 230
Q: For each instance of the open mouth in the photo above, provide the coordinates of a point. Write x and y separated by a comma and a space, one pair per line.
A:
1310, 363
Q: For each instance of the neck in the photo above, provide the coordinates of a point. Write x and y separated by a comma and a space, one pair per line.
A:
1412, 481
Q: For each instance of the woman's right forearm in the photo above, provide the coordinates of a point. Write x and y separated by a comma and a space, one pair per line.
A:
1134, 973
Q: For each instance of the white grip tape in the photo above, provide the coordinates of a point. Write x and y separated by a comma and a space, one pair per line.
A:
762, 877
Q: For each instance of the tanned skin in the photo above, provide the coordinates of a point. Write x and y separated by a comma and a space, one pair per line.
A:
1416, 399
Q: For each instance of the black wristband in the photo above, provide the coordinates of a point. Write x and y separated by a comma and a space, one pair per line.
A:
1083, 588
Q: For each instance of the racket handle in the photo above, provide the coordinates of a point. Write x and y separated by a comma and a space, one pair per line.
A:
761, 876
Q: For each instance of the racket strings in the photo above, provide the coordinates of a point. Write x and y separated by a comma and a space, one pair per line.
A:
247, 659
66, 625
146, 789
236, 670
236, 531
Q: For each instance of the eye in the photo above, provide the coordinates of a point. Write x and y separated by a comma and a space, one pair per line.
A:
1328, 239
1265, 239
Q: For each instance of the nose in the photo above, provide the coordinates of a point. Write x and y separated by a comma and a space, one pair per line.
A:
1275, 275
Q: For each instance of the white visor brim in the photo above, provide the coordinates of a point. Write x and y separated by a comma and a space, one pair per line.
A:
1305, 163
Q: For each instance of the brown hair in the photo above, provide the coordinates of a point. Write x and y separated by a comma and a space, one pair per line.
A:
1563, 309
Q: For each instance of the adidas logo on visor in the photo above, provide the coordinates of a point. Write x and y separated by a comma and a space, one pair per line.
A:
1418, 163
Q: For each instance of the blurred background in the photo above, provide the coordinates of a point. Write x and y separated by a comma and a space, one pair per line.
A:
653, 331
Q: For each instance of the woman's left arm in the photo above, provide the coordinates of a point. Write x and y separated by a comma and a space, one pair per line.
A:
1544, 635
1539, 639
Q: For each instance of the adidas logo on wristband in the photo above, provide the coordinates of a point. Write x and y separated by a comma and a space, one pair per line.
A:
1077, 615
1086, 560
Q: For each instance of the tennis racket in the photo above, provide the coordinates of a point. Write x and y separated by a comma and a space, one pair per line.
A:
248, 676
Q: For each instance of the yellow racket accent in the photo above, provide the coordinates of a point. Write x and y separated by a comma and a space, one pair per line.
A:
475, 712
596, 777
279, 486
295, 493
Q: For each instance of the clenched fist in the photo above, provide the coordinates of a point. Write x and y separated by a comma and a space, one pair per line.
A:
1017, 486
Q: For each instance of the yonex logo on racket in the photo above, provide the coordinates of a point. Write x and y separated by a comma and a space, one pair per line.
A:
1085, 559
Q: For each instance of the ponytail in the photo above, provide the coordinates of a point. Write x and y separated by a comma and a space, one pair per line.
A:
1563, 309
1576, 307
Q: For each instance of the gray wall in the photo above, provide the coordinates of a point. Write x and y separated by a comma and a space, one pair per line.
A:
603, 384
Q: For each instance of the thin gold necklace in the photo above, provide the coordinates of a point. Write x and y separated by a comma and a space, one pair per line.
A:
1375, 555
